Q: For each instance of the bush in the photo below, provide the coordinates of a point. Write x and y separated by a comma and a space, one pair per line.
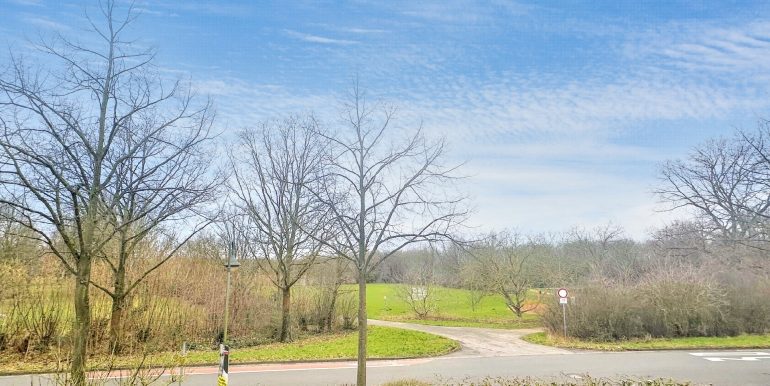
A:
596, 313
666, 303
748, 308
682, 302
313, 306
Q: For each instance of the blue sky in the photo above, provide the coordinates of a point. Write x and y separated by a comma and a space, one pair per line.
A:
562, 111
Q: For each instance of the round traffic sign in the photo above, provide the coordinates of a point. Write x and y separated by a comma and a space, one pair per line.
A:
562, 292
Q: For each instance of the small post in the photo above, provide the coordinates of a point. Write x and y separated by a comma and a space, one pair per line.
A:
563, 299
564, 314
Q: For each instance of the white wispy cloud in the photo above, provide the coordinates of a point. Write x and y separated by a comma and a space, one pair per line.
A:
707, 46
539, 145
363, 31
219, 8
318, 39
502, 107
567, 148
243, 104
46, 23
462, 11
538, 197
148, 11
35, 3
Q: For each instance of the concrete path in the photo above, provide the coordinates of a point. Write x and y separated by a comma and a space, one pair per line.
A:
481, 342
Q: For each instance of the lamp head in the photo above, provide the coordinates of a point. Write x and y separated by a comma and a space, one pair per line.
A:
232, 261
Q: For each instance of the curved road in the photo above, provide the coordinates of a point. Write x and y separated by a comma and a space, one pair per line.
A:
481, 342
495, 353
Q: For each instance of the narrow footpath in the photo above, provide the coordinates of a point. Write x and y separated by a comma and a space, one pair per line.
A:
481, 342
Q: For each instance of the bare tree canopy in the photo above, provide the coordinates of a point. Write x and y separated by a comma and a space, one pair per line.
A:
163, 184
724, 181
506, 264
93, 147
276, 170
384, 196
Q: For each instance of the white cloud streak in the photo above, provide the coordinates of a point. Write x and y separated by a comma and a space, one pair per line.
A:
318, 39
45, 23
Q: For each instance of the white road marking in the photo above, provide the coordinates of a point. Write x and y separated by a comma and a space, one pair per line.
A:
723, 356
749, 359
730, 353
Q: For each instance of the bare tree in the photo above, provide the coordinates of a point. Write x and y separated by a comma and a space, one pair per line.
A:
609, 254
275, 169
723, 182
162, 188
79, 147
384, 197
504, 265
329, 276
17, 243
595, 244
759, 203
682, 241
418, 284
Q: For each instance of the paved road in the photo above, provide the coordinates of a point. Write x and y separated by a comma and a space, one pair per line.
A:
482, 342
729, 368
488, 353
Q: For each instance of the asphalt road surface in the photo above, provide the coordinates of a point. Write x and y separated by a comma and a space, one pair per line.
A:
496, 353
482, 342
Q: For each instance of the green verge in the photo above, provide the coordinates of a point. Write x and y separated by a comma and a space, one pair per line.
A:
699, 343
384, 342
453, 308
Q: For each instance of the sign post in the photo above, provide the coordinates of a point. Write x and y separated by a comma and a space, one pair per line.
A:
563, 299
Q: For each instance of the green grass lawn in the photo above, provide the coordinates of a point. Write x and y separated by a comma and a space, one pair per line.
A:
384, 342
727, 342
454, 308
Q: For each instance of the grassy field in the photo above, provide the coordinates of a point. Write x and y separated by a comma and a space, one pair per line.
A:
727, 342
384, 342
453, 309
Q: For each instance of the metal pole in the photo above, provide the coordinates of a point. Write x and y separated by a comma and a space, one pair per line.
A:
224, 350
227, 305
564, 314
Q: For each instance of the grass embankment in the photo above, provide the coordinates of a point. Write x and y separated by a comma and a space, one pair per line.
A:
453, 308
694, 343
383, 342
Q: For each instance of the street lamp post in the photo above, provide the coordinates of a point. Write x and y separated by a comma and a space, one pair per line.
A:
224, 350
232, 262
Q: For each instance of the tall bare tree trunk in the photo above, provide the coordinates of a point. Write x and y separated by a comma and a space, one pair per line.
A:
118, 296
116, 323
330, 313
361, 379
82, 321
286, 315
390, 182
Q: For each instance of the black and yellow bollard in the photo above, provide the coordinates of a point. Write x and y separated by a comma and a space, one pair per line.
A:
224, 364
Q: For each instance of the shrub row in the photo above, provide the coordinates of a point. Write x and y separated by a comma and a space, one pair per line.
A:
676, 302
